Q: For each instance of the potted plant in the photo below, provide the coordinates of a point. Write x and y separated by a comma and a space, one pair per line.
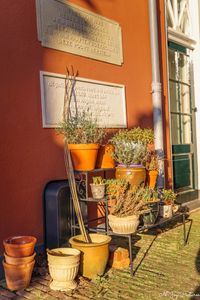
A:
151, 163
124, 216
98, 187
129, 153
151, 206
114, 186
105, 157
83, 136
167, 197
145, 135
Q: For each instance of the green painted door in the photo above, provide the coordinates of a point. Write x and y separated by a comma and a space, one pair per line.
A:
182, 123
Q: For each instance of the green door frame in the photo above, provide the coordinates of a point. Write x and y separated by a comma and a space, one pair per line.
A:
182, 124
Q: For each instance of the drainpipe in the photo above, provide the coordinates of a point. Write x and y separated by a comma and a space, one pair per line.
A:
156, 90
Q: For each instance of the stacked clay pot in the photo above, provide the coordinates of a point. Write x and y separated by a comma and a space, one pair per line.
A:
19, 260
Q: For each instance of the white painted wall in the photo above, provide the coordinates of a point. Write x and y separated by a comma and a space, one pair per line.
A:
195, 34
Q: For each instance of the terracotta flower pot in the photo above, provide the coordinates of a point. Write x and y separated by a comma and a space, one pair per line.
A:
94, 256
83, 156
104, 158
151, 178
18, 276
123, 225
19, 246
135, 174
19, 260
63, 268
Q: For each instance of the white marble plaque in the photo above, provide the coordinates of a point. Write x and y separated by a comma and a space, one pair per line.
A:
70, 28
105, 101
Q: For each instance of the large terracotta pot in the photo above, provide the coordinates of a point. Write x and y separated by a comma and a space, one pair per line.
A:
151, 178
104, 158
19, 260
135, 174
19, 246
18, 276
63, 268
83, 156
123, 225
94, 256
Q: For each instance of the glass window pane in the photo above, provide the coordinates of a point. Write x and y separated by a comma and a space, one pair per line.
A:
185, 98
183, 65
181, 129
172, 64
186, 129
175, 129
174, 97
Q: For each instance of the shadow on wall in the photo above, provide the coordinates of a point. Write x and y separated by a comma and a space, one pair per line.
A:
196, 293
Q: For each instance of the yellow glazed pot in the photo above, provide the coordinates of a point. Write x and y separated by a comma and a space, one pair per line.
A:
94, 256
135, 174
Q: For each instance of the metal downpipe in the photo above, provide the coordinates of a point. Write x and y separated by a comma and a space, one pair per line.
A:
156, 90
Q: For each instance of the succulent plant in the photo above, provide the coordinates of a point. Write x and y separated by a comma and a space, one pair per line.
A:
128, 153
98, 180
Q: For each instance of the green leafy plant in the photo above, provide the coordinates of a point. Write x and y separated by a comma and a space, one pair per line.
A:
168, 196
129, 202
149, 195
81, 129
136, 134
98, 180
130, 145
115, 186
151, 161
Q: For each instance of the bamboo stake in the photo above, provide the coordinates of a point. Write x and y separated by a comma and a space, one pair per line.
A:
69, 89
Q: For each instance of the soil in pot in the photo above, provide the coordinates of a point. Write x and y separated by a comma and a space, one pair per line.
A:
135, 174
94, 256
18, 276
63, 267
19, 246
83, 156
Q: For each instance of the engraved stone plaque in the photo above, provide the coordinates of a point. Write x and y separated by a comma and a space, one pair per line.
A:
70, 28
105, 101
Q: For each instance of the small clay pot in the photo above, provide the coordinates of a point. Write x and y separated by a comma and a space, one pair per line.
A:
19, 246
18, 276
19, 260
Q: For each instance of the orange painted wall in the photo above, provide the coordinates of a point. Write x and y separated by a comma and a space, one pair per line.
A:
30, 155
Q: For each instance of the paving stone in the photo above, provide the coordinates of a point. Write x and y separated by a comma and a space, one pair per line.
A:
7, 293
164, 269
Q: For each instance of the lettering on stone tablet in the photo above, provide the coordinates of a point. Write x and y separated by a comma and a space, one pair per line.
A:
104, 101
70, 28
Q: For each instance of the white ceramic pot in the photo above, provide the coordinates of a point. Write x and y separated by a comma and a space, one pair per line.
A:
166, 211
123, 225
98, 190
63, 268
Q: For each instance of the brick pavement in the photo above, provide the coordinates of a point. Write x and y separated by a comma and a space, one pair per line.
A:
163, 269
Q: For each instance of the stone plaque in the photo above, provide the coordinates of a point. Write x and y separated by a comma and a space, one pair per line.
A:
104, 101
70, 28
